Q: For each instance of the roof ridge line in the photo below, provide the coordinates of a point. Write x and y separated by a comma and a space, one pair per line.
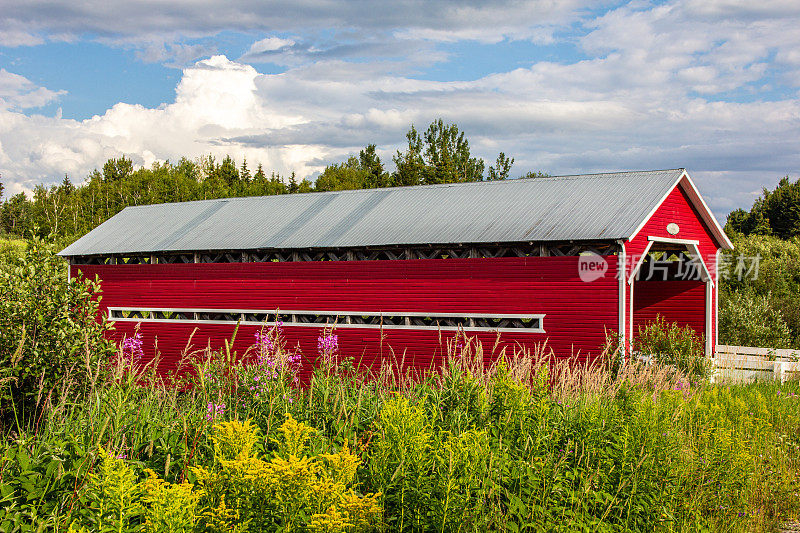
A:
422, 186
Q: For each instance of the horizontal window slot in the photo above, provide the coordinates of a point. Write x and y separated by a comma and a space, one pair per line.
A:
344, 319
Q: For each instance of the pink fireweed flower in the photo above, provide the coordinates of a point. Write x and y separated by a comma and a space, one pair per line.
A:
271, 358
131, 348
214, 410
328, 344
265, 344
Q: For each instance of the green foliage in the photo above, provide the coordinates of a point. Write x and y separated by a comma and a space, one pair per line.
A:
347, 175
115, 500
112, 499
749, 319
362, 172
401, 461
51, 341
117, 169
442, 155
469, 450
758, 300
68, 211
781, 208
15, 216
526, 444
290, 492
501, 169
672, 345
37, 479
776, 212
370, 162
756, 306
168, 507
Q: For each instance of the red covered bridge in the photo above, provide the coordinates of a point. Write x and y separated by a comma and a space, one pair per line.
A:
558, 259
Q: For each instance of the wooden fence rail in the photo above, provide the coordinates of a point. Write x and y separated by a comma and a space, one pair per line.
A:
747, 363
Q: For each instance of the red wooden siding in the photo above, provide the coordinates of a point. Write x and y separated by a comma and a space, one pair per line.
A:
676, 301
577, 313
677, 208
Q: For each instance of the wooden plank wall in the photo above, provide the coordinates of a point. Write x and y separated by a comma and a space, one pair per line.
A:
578, 314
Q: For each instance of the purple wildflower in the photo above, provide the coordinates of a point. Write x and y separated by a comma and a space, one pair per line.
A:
265, 345
271, 359
328, 344
132, 348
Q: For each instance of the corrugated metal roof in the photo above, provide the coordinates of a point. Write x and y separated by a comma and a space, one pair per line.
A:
562, 208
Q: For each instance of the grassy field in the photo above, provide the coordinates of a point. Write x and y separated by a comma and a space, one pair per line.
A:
11, 245
528, 444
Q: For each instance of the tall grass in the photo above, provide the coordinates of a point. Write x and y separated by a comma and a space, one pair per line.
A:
504, 441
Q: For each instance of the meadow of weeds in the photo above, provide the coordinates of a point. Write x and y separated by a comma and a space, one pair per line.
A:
526, 444
487, 442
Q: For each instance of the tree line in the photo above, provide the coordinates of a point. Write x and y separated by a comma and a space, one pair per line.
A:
440, 154
775, 213
761, 307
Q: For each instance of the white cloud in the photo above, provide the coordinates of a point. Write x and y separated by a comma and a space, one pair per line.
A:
160, 29
13, 37
18, 92
270, 44
712, 46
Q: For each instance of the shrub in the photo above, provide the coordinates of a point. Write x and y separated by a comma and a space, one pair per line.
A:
401, 461
239, 491
51, 340
112, 496
775, 278
290, 492
750, 319
672, 345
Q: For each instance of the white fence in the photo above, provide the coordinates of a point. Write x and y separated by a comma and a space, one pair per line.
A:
746, 363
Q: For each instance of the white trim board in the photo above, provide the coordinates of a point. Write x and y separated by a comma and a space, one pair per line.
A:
289, 315
692, 246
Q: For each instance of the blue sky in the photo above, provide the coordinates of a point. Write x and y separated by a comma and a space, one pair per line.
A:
566, 87
76, 67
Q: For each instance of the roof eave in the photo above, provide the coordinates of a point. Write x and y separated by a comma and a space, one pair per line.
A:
698, 203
